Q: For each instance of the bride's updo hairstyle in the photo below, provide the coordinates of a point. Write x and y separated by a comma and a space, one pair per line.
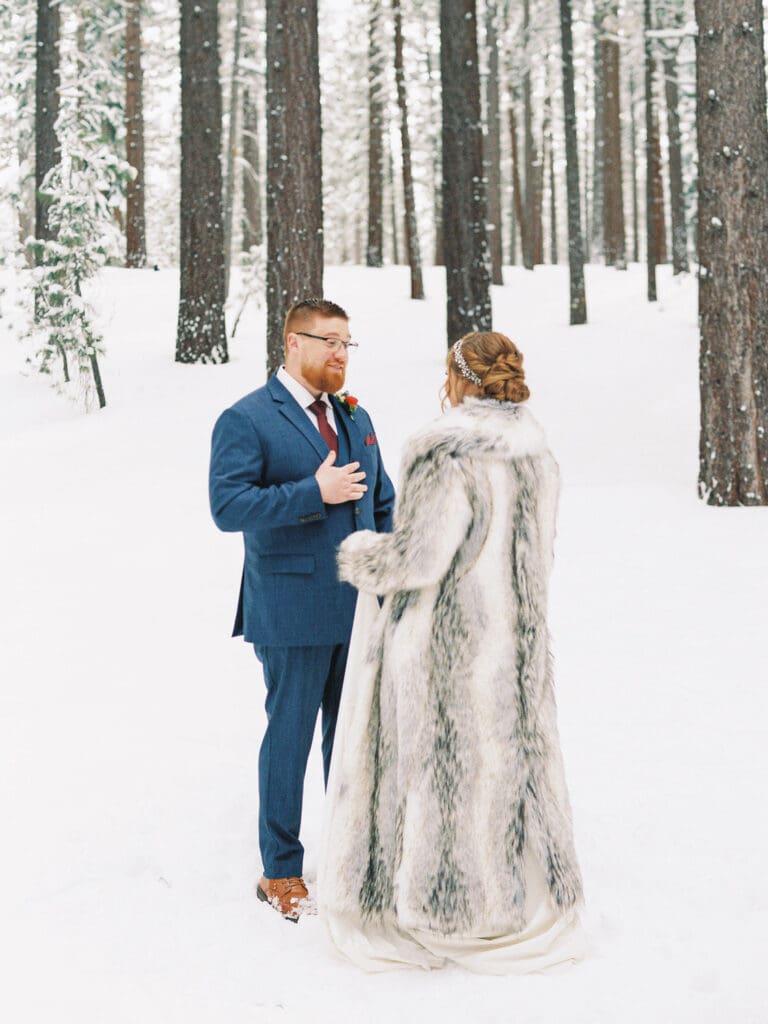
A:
492, 363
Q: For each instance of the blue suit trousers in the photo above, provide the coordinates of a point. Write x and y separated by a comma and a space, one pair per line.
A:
300, 681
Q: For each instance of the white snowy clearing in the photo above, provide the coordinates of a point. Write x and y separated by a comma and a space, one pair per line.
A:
130, 722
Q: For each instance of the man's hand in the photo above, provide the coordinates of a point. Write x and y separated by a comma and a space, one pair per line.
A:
339, 483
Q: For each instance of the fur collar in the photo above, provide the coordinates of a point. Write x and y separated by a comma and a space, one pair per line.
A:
480, 426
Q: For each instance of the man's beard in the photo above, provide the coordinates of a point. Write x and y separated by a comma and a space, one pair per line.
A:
324, 378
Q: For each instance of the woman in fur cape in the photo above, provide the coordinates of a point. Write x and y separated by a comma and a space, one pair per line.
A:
448, 829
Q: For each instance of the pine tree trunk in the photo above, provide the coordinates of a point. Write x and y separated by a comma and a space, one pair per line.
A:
529, 152
375, 251
676, 192
294, 165
392, 205
251, 224
493, 144
411, 227
201, 334
660, 227
464, 200
552, 194
635, 198
597, 226
518, 199
578, 299
733, 252
135, 223
47, 148
614, 244
651, 219
229, 176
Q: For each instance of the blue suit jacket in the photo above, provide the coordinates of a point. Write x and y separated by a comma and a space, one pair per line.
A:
264, 457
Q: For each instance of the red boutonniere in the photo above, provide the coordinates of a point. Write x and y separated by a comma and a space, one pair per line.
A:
349, 402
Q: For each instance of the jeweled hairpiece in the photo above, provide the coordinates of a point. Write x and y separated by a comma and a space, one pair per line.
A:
461, 362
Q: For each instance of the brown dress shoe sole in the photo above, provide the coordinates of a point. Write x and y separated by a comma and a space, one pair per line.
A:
265, 899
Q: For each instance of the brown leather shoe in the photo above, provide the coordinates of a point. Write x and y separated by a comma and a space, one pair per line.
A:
288, 896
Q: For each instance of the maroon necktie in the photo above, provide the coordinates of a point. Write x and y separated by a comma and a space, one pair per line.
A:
327, 432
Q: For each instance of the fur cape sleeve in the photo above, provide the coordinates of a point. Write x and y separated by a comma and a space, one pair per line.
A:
432, 516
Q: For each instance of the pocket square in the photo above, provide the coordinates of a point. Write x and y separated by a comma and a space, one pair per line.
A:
370, 439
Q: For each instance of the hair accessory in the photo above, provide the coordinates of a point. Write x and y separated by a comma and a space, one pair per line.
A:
461, 362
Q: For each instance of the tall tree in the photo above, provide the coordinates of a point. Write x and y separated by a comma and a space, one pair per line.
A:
597, 230
676, 189
47, 148
613, 191
464, 203
411, 227
633, 165
135, 223
294, 165
651, 218
493, 141
578, 300
201, 334
231, 152
252, 233
733, 252
375, 250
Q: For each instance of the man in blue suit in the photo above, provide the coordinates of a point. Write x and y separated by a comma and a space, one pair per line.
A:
296, 469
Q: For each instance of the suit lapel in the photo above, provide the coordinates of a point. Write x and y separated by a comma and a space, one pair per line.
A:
347, 424
295, 415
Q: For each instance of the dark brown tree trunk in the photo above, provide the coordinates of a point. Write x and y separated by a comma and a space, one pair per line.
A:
651, 219
614, 243
550, 149
375, 252
411, 227
392, 205
676, 193
201, 334
464, 201
529, 151
635, 198
493, 144
518, 199
231, 151
660, 227
135, 224
294, 165
578, 300
252, 228
47, 148
597, 229
733, 252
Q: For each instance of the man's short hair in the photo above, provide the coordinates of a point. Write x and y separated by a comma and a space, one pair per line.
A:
300, 314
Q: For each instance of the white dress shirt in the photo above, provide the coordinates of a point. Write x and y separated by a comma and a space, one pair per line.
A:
306, 398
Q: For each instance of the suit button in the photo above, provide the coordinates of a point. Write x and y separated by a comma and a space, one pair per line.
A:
357, 511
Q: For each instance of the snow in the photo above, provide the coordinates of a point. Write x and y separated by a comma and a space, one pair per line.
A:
130, 722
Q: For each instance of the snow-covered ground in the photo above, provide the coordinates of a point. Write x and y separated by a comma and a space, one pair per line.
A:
130, 722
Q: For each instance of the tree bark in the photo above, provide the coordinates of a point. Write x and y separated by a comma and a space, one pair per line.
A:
550, 150
578, 300
135, 223
229, 177
733, 252
651, 219
530, 159
676, 192
201, 334
411, 227
660, 227
518, 199
251, 227
493, 144
392, 205
375, 251
633, 148
464, 200
597, 226
47, 147
614, 243
294, 165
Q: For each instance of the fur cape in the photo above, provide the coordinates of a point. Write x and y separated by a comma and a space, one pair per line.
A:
454, 765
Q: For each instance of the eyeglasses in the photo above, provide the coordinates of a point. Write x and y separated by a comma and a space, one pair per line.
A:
332, 344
